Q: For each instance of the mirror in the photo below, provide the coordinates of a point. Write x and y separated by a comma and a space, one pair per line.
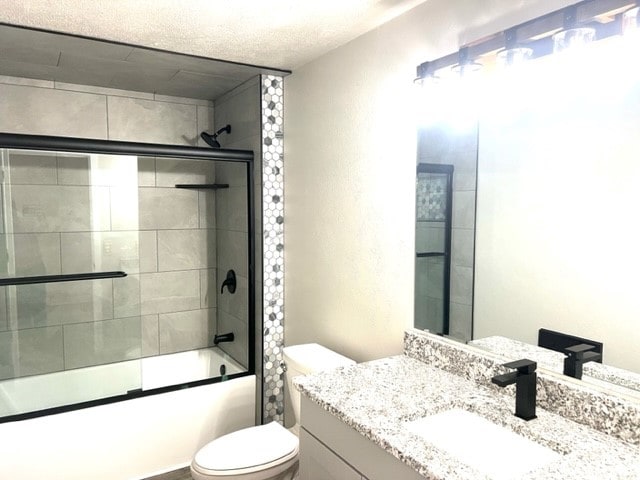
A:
557, 233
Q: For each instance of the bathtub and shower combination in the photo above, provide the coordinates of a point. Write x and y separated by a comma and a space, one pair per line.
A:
112, 257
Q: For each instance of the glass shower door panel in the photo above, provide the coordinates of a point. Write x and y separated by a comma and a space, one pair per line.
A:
432, 248
67, 218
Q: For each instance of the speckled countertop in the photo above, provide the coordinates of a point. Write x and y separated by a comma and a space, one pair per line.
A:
378, 398
623, 381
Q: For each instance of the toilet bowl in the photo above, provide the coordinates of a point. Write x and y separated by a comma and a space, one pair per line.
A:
266, 452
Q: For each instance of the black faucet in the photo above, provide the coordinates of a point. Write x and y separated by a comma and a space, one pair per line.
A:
577, 356
525, 379
224, 337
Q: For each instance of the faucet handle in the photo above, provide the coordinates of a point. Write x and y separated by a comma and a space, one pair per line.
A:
524, 366
578, 350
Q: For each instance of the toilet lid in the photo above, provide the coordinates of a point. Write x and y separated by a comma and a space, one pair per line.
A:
248, 449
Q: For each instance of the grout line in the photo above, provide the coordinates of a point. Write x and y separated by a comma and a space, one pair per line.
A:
106, 103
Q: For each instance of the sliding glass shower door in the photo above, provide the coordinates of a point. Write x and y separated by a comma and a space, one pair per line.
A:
111, 275
433, 247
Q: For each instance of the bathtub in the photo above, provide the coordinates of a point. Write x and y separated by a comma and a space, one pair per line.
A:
126, 440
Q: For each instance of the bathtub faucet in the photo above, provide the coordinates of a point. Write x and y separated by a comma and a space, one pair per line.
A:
224, 337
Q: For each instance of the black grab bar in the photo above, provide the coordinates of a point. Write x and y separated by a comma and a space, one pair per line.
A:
72, 277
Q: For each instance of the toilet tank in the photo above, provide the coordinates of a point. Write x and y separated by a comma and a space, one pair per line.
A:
306, 359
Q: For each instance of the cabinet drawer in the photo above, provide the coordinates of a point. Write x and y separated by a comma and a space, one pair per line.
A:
317, 462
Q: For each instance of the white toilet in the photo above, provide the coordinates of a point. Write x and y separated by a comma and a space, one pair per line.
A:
266, 452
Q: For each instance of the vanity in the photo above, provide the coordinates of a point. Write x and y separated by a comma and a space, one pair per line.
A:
433, 413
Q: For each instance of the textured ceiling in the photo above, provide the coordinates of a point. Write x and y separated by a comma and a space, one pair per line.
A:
277, 33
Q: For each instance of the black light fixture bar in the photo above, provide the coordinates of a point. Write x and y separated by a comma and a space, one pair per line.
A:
537, 33
72, 277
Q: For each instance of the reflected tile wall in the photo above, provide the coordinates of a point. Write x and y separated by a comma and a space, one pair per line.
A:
442, 144
30, 254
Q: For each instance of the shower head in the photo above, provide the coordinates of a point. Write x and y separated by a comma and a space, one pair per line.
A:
212, 140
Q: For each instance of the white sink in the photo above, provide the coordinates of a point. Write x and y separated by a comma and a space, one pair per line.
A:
491, 449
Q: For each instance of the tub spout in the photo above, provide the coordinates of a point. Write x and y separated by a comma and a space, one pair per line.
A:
224, 337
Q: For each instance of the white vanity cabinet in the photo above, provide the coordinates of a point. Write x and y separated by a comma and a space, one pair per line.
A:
331, 450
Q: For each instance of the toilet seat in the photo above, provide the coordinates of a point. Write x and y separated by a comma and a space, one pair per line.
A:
253, 449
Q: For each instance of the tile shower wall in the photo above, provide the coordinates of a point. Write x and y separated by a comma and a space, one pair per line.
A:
260, 98
442, 144
133, 315
239, 108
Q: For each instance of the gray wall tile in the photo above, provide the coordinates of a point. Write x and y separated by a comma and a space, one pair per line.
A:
44, 111
207, 209
100, 251
126, 296
234, 174
186, 249
30, 352
150, 336
98, 170
98, 343
231, 209
172, 171
208, 288
169, 292
460, 321
74, 87
31, 82
187, 330
154, 122
146, 171
461, 285
46, 208
241, 110
238, 348
30, 168
462, 247
232, 252
32, 253
166, 208
148, 251
205, 122
4, 324
464, 204
60, 303
73, 169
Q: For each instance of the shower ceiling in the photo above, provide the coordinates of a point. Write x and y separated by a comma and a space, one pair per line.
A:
70, 59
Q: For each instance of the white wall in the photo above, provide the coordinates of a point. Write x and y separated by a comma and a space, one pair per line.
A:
558, 229
350, 154
125, 440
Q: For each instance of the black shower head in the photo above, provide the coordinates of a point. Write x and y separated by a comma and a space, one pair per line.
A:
212, 139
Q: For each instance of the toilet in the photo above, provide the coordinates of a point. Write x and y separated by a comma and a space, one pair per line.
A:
266, 452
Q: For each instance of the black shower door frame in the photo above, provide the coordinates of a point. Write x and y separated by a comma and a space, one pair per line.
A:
87, 145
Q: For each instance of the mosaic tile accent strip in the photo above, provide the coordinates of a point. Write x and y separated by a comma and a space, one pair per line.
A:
606, 412
272, 91
431, 198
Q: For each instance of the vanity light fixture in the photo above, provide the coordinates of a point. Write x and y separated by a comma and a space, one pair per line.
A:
631, 21
465, 65
572, 37
513, 54
571, 27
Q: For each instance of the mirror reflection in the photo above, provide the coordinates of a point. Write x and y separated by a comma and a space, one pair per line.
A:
556, 231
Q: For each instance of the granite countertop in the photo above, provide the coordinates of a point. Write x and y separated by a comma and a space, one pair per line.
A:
378, 398
620, 380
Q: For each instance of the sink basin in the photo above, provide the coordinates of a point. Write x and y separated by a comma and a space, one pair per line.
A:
491, 449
